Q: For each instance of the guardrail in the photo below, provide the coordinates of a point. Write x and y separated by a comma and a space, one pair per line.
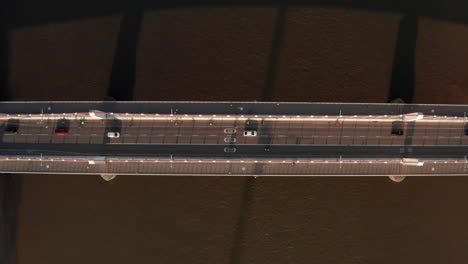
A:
337, 160
248, 167
145, 116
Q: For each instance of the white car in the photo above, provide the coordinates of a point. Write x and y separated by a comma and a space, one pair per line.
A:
113, 134
250, 133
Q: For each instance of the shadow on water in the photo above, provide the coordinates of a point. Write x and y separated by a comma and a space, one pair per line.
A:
402, 84
275, 51
30, 12
4, 59
10, 194
10, 184
122, 81
248, 194
240, 228
267, 95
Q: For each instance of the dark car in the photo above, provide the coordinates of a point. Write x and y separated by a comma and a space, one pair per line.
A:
61, 131
397, 128
12, 126
63, 127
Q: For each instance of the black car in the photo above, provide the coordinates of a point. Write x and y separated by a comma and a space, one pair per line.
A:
62, 127
12, 126
397, 128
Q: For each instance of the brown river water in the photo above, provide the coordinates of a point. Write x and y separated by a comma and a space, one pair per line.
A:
324, 54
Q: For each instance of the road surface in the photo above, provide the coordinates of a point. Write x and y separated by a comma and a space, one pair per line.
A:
215, 131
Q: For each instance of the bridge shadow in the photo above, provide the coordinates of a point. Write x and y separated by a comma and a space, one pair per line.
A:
402, 83
10, 196
25, 13
409, 134
4, 58
275, 51
240, 228
123, 75
2, 132
122, 79
265, 133
10, 184
248, 193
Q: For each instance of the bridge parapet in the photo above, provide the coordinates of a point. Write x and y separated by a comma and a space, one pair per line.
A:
181, 166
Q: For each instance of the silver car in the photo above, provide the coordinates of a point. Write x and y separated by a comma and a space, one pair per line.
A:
113, 134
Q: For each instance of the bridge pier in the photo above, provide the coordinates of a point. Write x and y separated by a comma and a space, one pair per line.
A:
108, 177
396, 178
397, 101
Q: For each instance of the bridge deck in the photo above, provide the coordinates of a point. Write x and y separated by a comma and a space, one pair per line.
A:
205, 138
170, 131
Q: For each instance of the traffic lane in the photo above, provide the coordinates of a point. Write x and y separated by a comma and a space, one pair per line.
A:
43, 131
241, 151
208, 132
190, 127
164, 127
290, 132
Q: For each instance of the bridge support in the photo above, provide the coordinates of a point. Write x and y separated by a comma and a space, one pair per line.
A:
397, 178
397, 101
108, 177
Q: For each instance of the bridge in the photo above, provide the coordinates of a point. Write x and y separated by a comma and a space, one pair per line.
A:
207, 138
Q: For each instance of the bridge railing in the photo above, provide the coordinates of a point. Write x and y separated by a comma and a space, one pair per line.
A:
234, 167
146, 116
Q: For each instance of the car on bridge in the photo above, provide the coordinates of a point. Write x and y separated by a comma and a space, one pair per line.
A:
250, 133
12, 126
61, 131
397, 128
113, 134
62, 127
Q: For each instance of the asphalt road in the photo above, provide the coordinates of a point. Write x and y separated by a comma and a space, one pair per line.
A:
242, 151
230, 131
